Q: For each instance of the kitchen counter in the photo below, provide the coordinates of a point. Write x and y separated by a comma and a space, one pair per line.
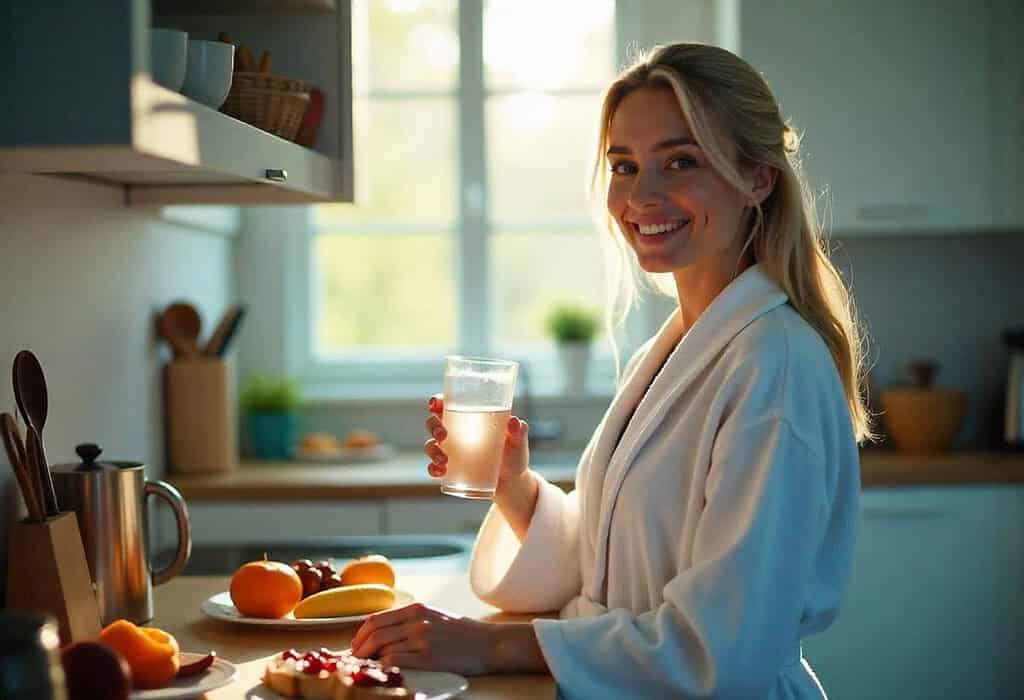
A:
177, 611
405, 476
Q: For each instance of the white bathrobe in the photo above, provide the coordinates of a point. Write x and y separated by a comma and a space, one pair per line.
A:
698, 549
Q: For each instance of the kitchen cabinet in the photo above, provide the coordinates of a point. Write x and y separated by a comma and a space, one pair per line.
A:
1007, 90
438, 515
896, 103
267, 521
82, 102
932, 609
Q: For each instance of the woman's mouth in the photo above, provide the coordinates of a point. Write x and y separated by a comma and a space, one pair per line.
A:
660, 231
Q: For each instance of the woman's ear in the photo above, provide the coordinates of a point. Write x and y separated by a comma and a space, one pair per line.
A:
763, 179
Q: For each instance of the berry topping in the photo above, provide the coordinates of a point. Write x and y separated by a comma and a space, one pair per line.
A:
369, 676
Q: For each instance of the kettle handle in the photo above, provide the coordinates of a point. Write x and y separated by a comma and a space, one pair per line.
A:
170, 494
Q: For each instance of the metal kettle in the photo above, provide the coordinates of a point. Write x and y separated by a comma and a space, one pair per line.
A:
1013, 431
110, 500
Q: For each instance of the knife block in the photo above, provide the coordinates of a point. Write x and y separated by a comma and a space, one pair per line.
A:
202, 428
47, 572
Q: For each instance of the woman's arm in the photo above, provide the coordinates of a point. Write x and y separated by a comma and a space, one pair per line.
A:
419, 636
516, 498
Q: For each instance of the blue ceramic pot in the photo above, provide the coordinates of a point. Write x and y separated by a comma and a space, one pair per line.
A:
271, 435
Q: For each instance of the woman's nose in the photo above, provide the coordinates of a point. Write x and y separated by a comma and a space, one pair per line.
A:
646, 190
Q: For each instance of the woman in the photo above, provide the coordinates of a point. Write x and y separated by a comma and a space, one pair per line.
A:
713, 519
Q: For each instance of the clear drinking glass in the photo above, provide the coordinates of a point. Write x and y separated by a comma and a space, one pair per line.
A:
477, 404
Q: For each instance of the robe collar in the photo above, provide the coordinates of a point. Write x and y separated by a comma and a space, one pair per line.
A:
750, 295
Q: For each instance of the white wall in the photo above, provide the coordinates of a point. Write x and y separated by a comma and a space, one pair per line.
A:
82, 278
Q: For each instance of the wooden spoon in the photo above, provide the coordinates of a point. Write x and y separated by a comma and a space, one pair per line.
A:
16, 456
31, 397
180, 326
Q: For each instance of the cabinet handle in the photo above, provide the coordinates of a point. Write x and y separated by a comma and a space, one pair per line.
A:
277, 174
892, 212
904, 512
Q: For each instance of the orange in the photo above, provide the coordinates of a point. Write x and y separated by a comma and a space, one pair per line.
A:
265, 589
373, 568
151, 653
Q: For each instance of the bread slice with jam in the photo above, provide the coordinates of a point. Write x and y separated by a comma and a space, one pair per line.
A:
327, 675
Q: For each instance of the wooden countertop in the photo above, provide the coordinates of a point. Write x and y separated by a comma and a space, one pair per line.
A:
177, 611
405, 476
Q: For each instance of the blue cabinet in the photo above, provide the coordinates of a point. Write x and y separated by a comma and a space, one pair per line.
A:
932, 608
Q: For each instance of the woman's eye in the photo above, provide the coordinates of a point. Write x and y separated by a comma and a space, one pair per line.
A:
623, 169
682, 163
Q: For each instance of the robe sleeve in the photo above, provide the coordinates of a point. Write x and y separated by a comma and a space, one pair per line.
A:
542, 573
729, 621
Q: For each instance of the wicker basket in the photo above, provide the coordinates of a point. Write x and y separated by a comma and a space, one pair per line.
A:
279, 112
247, 79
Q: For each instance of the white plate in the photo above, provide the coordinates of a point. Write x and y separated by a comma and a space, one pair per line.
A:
436, 685
220, 607
346, 455
218, 675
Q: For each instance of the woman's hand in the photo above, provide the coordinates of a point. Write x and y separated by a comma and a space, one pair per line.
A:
516, 492
515, 458
419, 636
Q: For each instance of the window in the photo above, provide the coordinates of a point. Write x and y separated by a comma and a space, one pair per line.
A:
474, 123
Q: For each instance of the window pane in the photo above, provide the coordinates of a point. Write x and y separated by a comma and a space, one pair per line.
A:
405, 45
374, 290
540, 155
548, 44
530, 274
405, 163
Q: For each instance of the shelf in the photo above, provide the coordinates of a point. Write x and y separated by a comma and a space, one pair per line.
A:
102, 118
210, 7
178, 143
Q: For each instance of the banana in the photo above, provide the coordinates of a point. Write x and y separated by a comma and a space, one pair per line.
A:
358, 599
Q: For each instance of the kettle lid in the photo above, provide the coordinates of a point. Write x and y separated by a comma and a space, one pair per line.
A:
88, 452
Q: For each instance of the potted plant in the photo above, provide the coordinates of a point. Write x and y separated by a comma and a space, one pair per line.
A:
573, 328
270, 405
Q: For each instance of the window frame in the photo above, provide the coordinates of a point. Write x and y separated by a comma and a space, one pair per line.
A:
397, 374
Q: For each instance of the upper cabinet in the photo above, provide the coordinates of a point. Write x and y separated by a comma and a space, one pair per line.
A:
909, 110
82, 101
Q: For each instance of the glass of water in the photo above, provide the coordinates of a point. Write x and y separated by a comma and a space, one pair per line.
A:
477, 404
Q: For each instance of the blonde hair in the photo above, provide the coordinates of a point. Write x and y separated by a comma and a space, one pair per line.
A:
723, 99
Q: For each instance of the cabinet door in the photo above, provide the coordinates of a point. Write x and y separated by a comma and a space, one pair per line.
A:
1007, 90
230, 523
893, 99
433, 515
923, 616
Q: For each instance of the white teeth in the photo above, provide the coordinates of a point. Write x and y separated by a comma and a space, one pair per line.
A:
660, 228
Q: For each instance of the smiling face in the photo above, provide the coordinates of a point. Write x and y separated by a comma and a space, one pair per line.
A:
671, 205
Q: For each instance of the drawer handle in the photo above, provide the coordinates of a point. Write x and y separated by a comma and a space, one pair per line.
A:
277, 174
904, 512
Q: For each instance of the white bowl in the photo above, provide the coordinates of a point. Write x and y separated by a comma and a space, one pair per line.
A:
208, 73
167, 51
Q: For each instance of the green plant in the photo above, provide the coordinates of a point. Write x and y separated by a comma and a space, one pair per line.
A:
270, 394
571, 323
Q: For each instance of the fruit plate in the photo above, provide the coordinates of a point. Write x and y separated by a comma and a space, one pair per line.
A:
217, 676
220, 607
435, 685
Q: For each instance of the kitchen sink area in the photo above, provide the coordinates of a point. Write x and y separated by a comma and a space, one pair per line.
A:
422, 553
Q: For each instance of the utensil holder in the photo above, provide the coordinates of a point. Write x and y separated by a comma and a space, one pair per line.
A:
202, 427
47, 572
